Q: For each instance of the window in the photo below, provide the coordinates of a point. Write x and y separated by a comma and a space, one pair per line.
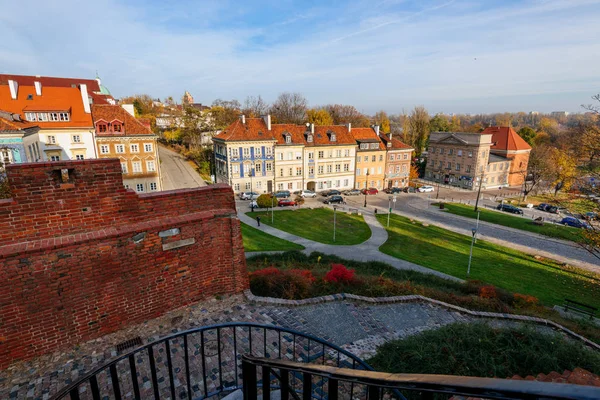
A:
53, 116
153, 186
397, 169
493, 179
320, 185
311, 170
288, 139
372, 170
269, 166
345, 182
311, 156
458, 167
338, 168
347, 153
290, 155
139, 187
320, 169
391, 157
79, 157
246, 151
248, 186
346, 167
440, 165
290, 185
501, 166
468, 169
459, 153
470, 154
494, 167
54, 158
329, 169
298, 171
290, 170
236, 169
333, 137
481, 168
257, 152
321, 154
450, 152
268, 151
124, 167
432, 150
148, 147
29, 116
378, 170
374, 145
381, 157
236, 187
104, 149
259, 185
338, 153
330, 154
406, 156
483, 154
449, 165
298, 155
134, 148
51, 139
373, 158
309, 138
258, 167
76, 138
137, 167
281, 156
116, 127
101, 127
441, 150
337, 183
404, 168
63, 116
280, 186
357, 171
119, 148
234, 154
150, 166
280, 171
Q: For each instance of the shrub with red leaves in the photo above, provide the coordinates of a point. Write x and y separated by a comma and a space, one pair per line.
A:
272, 282
339, 274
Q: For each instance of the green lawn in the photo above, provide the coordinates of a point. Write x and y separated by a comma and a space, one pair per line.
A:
500, 218
448, 252
317, 225
256, 240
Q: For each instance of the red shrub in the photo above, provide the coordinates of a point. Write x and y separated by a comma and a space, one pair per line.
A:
272, 282
304, 273
339, 274
269, 271
521, 300
488, 292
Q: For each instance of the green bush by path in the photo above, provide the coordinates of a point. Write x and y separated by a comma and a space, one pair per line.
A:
525, 224
480, 350
256, 240
317, 225
448, 252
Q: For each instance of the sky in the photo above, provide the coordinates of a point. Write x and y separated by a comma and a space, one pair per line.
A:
452, 56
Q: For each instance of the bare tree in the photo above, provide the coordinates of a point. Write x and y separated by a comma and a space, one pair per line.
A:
591, 107
289, 108
344, 114
254, 107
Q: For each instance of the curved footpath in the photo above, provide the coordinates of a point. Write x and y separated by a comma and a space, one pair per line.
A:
366, 251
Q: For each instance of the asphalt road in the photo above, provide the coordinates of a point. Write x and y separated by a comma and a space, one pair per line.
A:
176, 172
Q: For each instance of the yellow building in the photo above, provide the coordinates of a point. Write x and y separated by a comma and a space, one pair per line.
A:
370, 158
120, 135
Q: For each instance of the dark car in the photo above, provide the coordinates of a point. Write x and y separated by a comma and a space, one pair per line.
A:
369, 191
543, 206
509, 208
574, 222
282, 194
331, 192
393, 190
409, 189
285, 203
352, 192
335, 199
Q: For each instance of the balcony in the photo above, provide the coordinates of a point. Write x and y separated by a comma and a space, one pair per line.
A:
263, 361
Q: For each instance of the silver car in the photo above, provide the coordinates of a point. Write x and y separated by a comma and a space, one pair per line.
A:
249, 195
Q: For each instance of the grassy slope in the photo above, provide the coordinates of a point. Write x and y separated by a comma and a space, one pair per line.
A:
317, 225
448, 252
256, 240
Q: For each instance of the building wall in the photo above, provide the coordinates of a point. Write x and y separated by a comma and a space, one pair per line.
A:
231, 157
518, 166
289, 167
327, 159
374, 162
81, 256
12, 145
397, 168
64, 144
496, 174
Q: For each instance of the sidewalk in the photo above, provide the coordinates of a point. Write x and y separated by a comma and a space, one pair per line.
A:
366, 251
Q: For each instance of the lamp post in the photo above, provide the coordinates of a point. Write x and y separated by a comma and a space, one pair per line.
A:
479, 191
473, 232
366, 188
389, 210
334, 209
251, 185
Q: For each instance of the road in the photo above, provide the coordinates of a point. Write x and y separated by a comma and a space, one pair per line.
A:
176, 172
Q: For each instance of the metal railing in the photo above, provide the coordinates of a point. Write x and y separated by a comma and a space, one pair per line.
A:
297, 381
202, 363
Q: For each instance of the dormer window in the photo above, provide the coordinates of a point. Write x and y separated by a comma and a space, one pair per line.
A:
116, 127
288, 138
101, 127
309, 138
332, 137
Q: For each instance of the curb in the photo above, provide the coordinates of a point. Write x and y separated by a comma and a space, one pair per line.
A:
415, 299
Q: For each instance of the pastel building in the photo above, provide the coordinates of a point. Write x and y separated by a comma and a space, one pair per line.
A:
12, 131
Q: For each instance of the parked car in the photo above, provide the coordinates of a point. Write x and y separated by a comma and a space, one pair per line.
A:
509, 208
409, 189
543, 206
425, 189
352, 192
331, 192
369, 191
393, 190
306, 193
574, 222
282, 194
286, 202
249, 195
591, 215
335, 199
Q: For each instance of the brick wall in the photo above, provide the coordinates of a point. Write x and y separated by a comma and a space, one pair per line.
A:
81, 256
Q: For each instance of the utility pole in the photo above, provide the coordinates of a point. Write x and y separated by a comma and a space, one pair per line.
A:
479, 191
334, 209
389, 210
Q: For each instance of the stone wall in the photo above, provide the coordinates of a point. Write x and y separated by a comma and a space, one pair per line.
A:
81, 256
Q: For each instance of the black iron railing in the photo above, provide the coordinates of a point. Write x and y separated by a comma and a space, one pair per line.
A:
262, 376
202, 363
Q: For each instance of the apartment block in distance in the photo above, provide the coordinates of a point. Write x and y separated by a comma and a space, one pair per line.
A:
119, 135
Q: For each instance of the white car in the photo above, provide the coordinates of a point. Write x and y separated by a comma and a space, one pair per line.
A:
249, 195
307, 193
424, 189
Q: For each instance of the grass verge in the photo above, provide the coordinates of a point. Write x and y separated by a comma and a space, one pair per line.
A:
448, 252
525, 224
256, 240
317, 225
480, 350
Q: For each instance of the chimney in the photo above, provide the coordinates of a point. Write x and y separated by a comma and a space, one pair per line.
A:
85, 98
349, 125
312, 128
38, 88
267, 119
14, 88
389, 143
243, 118
129, 108
376, 129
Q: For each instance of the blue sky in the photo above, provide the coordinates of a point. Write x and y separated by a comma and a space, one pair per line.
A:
457, 56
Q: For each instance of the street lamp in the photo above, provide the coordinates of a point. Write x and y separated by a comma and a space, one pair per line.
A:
366, 188
473, 232
251, 185
334, 209
389, 209
479, 191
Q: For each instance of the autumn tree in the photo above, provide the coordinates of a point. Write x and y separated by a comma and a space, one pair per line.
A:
289, 108
455, 124
143, 104
414, 173
439, 123
527, 134
255, 107
345, 114
561, 169
224, 112
419, 129
319, 117
537, 170
381, 118
194, 124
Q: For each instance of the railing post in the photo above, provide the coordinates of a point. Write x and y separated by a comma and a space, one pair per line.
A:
285, 384
266, 382
332, 393
249, 380
306, 386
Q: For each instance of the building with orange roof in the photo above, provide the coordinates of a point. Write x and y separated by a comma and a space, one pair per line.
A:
370, 158
397, 166
63, 115
507, 143
12, 131
120, 135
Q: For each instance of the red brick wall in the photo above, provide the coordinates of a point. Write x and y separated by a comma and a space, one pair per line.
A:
71, 270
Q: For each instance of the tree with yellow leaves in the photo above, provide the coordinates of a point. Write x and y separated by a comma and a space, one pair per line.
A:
562, 169
381, 118
319, 117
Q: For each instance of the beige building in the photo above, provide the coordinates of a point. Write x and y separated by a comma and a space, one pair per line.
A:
397, 166
119, 135
370, 158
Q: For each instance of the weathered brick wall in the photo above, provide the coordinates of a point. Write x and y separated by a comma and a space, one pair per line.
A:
82, 257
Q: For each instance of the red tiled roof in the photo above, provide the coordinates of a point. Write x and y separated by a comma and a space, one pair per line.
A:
10, 125
361, 134
505, 138
253, 129
396, 144
297, 132
52, 99
110, 113
323, 135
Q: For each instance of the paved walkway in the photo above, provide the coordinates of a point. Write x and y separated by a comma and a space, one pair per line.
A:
366, 251
176, 171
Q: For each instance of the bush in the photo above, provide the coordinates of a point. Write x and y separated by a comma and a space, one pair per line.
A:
266, 201
299, 200
272, 282
339, 274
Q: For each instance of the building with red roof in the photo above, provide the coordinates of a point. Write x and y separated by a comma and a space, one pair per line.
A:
508, 144
398, 155
12, 131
